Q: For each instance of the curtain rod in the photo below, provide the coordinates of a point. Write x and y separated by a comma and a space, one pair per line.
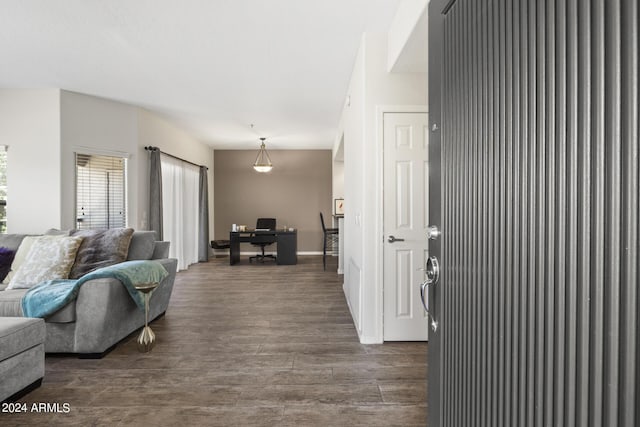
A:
151, 148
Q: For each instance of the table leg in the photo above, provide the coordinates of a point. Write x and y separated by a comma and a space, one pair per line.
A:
147, 339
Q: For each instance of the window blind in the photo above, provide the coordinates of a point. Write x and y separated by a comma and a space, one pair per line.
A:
100, 191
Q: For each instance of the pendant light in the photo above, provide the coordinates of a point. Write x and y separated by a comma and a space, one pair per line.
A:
263, 161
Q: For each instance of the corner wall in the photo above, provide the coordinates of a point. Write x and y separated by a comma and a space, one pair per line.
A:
371, 87
44, 128
159, 132
96, 125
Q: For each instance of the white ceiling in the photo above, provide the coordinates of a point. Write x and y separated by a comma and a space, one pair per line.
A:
213, 66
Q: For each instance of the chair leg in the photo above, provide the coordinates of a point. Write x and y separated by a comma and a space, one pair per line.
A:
324, 253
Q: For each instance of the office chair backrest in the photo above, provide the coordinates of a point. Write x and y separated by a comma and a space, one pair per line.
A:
324, 229
266, 223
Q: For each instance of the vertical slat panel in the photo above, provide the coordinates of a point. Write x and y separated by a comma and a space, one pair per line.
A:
447, 161
612, 210
459, 216
550, 220
529, 300
597, 220
507, 207
540, 203
466, 144
584, 214
501, 210
560, 227
518, 170
541, 71
485, 333
494, 326
475, 247
570, 306
629, 274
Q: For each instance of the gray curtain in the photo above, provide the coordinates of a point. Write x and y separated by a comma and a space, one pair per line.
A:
155, 192
203, 215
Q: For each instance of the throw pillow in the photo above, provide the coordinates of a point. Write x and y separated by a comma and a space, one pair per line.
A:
56, 232
100, 248
6, 258
50, 257
142, 244
21, 255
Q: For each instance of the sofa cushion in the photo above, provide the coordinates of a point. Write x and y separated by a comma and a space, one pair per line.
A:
50, 257
161, 250
100, 248
18, 334
11, 302
57, 232
141, 247
11, 306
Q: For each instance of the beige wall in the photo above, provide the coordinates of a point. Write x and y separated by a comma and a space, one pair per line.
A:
294, 192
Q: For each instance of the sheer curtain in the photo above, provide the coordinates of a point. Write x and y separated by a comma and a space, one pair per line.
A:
180, 185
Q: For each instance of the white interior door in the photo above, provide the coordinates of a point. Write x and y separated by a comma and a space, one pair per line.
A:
405, 220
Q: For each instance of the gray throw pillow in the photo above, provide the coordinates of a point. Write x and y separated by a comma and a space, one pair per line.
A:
100, 248
142, 244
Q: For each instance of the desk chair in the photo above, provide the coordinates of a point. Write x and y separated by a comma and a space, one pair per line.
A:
329, 241
263, 240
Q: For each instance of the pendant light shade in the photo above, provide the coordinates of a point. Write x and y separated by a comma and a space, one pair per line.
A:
263, 161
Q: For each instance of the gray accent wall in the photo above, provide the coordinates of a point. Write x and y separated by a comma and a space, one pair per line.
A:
295, 192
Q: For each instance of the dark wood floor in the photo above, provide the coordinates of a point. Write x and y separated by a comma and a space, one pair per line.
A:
243, 345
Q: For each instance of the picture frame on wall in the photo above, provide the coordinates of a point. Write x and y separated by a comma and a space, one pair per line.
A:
338, 207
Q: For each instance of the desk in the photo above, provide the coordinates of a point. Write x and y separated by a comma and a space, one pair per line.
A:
287, 242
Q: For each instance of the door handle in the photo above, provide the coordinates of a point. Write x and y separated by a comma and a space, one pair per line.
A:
433, 232
424, 297
432, 271
392, 239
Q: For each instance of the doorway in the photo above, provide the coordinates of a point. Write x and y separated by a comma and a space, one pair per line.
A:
405, 208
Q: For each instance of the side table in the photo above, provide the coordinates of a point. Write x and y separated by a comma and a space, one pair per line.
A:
147, 339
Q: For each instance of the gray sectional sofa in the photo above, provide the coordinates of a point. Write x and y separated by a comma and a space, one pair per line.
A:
103, 312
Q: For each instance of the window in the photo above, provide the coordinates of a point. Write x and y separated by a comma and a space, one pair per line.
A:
3, 188
100, 191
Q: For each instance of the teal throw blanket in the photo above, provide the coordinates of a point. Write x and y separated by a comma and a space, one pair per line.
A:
48, 297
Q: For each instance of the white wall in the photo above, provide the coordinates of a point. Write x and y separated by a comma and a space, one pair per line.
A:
96, 125
337, 169
407, 38
371, 87
338, 180
354, 188
159, 132
44, 128
30, 127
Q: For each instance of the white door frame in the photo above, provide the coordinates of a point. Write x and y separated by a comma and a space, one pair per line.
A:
379, 207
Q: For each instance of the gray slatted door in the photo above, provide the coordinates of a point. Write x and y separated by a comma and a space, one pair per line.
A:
536, 105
